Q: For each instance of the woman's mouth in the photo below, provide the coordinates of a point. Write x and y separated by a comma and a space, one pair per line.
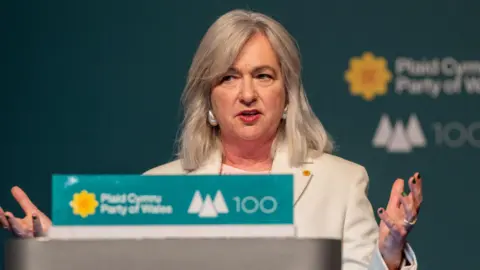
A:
249, 116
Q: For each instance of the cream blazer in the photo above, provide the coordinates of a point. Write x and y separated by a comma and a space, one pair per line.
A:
330, 203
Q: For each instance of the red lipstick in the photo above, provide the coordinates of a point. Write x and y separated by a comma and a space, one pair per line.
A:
249, 116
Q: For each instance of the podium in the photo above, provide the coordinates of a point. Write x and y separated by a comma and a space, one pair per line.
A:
173, 222
174, 254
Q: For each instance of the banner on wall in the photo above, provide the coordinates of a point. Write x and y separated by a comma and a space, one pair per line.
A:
369, 76
372, 77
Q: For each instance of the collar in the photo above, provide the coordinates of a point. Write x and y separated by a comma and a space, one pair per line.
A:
281, 165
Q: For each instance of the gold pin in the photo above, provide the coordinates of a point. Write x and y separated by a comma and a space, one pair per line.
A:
306, 173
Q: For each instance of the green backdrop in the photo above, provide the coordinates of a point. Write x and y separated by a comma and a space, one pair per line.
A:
94, 86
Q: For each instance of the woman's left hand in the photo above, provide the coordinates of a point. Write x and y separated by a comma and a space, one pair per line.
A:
398, 220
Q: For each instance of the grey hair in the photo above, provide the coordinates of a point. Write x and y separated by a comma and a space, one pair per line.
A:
217, 52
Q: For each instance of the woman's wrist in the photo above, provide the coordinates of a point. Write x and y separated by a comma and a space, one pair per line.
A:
393, 255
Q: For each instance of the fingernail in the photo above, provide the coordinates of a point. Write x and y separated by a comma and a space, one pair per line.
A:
404, 194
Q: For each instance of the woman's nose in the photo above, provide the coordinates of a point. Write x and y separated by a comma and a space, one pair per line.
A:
248, 93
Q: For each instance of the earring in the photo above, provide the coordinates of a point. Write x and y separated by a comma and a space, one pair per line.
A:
211, 118
284, 115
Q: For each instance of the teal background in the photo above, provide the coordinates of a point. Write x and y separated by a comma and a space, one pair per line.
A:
93, 87
178, 192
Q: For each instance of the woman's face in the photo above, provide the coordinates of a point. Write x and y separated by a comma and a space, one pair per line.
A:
249, 100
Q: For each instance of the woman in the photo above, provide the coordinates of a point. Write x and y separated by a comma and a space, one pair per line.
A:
246, 112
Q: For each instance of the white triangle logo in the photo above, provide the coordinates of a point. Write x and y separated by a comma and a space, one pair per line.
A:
415, 132
399, 139
196, 204
208, 208
383, 132
220, 204
399, 142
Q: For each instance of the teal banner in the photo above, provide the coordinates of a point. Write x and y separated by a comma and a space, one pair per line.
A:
171, 200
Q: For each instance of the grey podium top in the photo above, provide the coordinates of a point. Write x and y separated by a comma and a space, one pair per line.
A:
174, 254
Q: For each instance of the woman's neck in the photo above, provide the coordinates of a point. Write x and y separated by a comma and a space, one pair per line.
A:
248, 156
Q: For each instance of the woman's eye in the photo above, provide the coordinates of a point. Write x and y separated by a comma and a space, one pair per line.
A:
264, 77
227, 78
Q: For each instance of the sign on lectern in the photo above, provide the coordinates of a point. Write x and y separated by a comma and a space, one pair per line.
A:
171, 205
212, 222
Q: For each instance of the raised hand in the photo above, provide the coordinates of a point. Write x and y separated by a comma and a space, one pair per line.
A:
398, 219
34, 224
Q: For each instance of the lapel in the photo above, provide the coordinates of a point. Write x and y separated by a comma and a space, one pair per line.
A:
302, 175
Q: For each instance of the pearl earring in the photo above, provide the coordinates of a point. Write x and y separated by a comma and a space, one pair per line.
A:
211, 118
284, 115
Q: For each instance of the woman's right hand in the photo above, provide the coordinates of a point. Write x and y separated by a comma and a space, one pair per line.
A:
34, 224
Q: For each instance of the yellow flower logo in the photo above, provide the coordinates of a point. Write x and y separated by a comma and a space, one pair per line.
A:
368, 76
84, 204
306, 173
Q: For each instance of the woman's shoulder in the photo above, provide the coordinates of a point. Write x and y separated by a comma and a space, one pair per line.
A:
173, 167
333, 159
340, 174
341, 166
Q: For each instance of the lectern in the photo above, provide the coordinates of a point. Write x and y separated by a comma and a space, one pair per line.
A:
175, 254
173, 222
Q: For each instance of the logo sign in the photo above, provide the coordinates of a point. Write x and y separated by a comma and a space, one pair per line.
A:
398, 137
172, 200
208, 208
403, 136
369, 76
